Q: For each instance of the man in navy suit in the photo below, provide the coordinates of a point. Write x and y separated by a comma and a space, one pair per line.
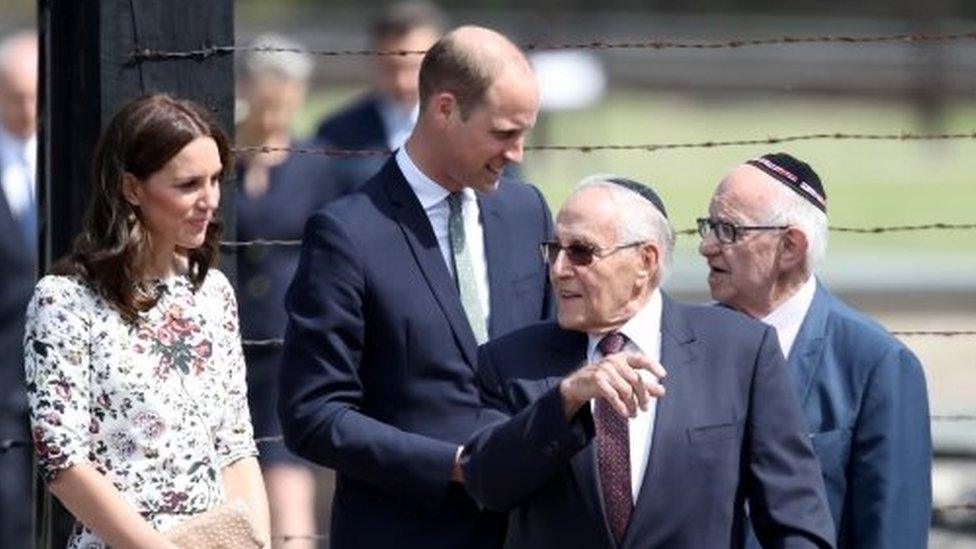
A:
862, 391
18, 233
383, 118
397, 284
596, 454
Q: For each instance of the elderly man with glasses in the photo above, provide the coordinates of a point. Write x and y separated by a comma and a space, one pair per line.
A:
862, 391
595, 453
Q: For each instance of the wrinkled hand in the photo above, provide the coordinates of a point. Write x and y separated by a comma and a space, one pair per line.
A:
627, 381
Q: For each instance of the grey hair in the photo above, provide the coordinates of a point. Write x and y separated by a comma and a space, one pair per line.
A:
789, 208
291, 65
638, 220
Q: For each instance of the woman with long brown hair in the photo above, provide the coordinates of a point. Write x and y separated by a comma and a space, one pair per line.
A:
135, 373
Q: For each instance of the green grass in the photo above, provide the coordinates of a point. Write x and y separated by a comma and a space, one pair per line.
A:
869, 183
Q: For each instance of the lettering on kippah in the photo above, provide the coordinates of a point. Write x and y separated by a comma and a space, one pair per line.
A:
779, 170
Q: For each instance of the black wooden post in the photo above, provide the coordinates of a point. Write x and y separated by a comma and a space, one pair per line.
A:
88, 71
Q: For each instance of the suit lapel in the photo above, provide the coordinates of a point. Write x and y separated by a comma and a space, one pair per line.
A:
678, 357
499, 291
584, 462
804, 359
11, 231
420, 237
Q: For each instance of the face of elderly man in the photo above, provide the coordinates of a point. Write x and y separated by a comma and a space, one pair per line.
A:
743, 274
603, 295
18, 88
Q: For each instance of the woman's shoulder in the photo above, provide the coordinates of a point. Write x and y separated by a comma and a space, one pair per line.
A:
71, 288
217, 285
60, 297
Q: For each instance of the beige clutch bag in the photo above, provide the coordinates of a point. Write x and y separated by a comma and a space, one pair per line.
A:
226, 526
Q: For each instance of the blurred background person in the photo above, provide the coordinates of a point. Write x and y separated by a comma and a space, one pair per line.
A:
384, 117
277, 191
18, 238
135, 375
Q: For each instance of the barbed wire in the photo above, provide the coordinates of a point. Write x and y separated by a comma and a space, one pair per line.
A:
208, 51
646, 147
261, 242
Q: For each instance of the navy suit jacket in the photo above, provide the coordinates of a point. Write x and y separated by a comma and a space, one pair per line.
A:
356, 127
728, 430
17, 277
864, 398
378, 377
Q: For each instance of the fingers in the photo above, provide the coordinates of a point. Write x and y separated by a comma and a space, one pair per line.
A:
609, 393
641, 362
631, 390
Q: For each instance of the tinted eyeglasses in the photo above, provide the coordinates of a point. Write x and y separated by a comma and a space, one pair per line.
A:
729, 233
579, 253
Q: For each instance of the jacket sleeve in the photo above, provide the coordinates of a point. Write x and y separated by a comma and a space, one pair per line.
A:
786, 495
889, 494
506, 462
321, 390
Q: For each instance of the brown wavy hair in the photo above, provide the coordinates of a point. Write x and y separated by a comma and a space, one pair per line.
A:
112, 251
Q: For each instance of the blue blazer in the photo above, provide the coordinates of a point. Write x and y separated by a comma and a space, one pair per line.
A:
863, 394
378, 375
356, 127
728, 431
297, 188
17, 278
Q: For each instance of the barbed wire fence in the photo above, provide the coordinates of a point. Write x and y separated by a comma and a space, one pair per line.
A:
149, 55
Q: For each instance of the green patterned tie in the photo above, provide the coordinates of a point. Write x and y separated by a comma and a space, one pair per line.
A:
464, 276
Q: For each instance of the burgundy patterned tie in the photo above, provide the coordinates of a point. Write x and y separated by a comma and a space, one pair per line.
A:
613, 452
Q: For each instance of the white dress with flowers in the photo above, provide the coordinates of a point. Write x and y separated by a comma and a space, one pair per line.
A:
159, 407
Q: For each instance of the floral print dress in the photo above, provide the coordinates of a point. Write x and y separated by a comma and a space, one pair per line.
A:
159, 407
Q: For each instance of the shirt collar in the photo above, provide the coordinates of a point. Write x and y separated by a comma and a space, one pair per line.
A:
25, 150
643, 329
789, 315
428, 191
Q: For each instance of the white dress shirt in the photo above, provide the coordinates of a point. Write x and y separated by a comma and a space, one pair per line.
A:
398, 122
19, 162
643, 333
433, 199
788, 317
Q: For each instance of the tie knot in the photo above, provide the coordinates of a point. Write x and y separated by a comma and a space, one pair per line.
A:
612, 343
454, 201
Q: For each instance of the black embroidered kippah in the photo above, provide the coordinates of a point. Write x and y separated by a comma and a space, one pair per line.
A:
795, 174
642, 190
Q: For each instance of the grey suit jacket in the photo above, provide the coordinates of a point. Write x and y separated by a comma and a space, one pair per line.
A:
729, 430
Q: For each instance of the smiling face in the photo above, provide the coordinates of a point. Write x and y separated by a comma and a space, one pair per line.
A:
743, 274
177, 202
477, 148
603, 295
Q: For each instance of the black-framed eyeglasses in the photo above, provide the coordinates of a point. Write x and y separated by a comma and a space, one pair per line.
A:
729, 233
579, 253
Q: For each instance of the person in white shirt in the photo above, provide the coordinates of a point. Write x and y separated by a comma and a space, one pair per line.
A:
861, 390
382, 118
18, 233
590, 451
